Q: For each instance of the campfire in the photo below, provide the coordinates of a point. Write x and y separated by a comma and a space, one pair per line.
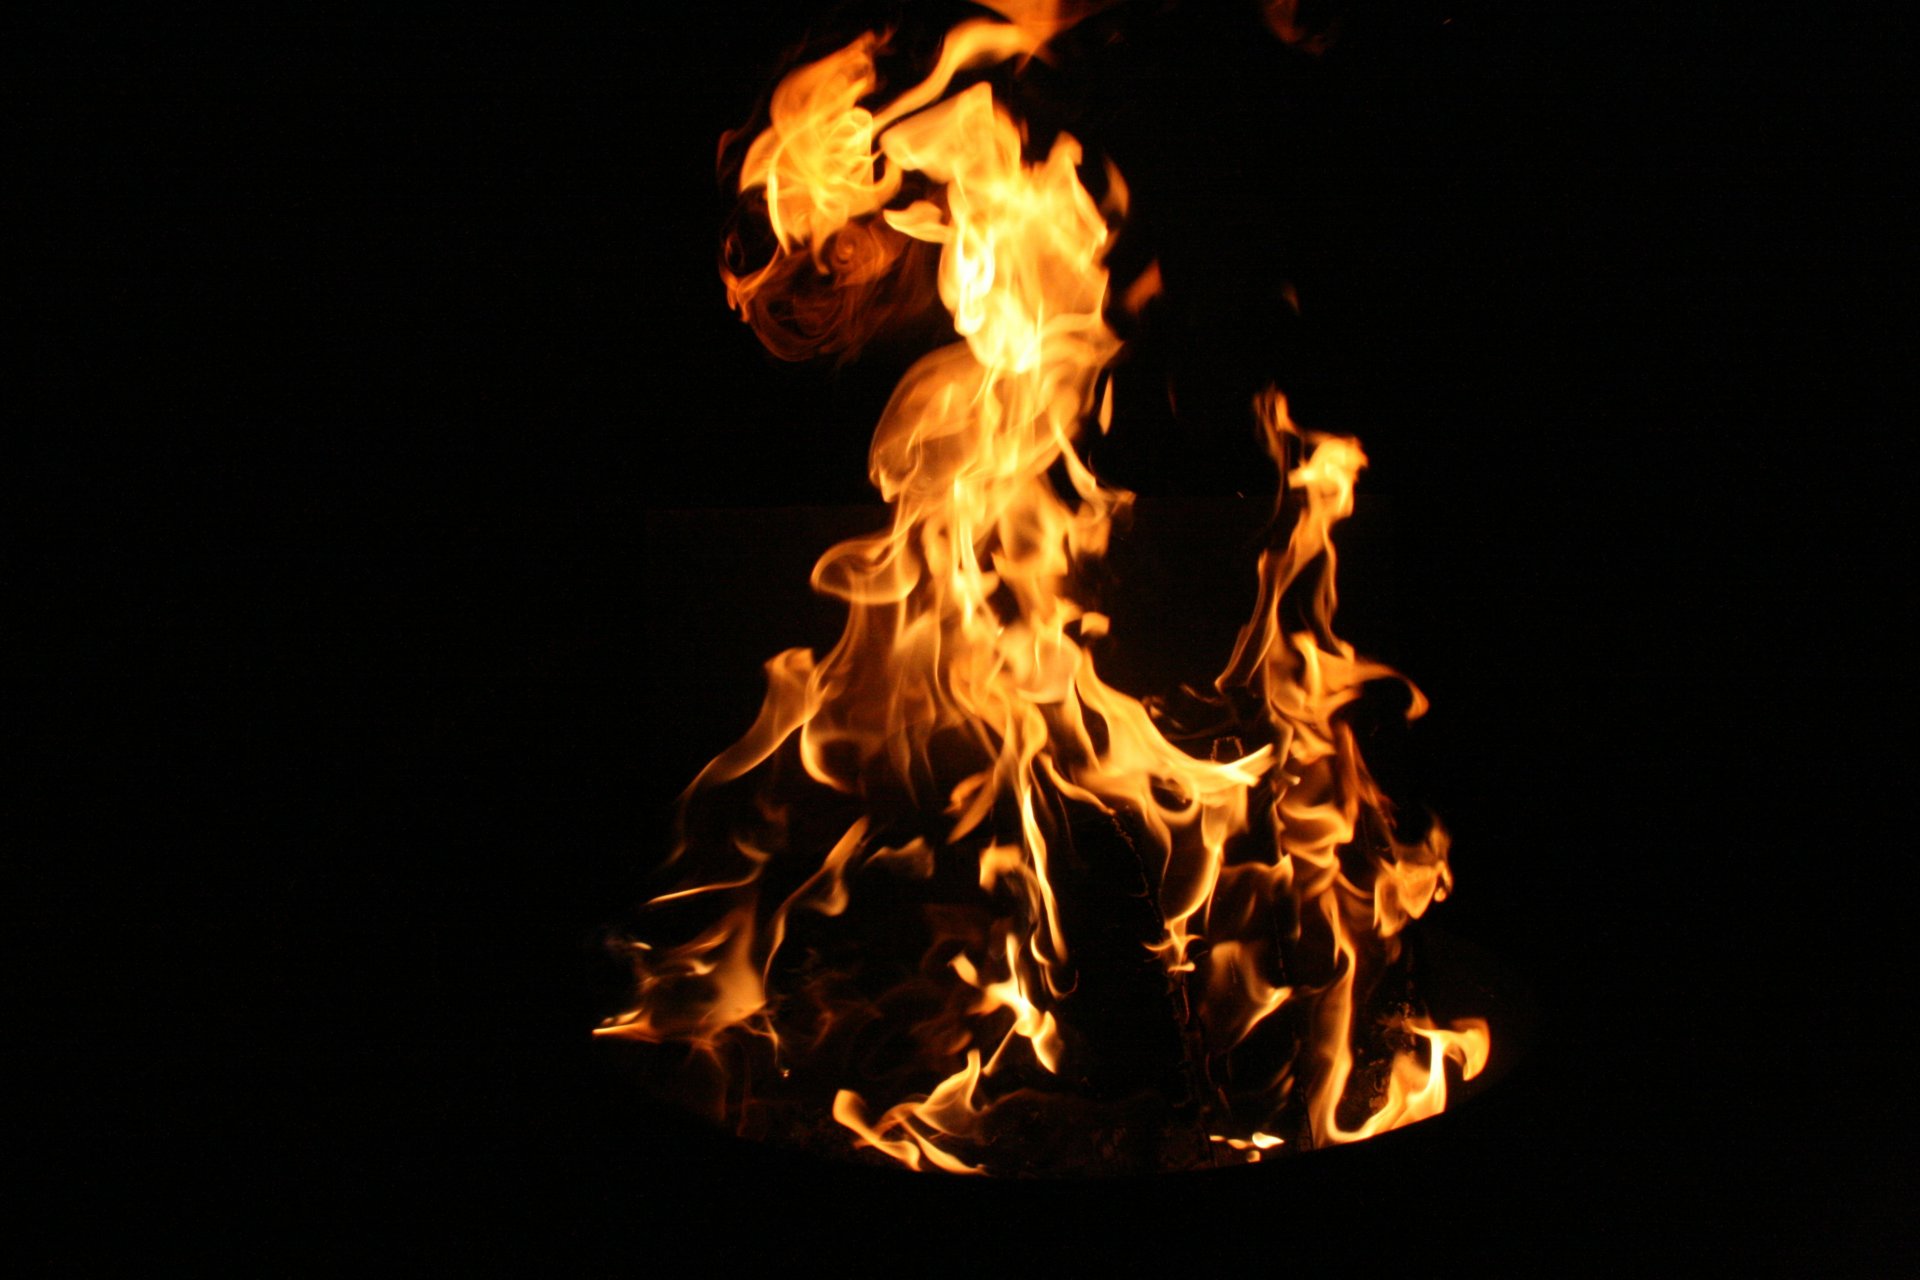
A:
953, 901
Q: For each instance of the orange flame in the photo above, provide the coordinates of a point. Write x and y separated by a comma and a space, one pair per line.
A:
960, 719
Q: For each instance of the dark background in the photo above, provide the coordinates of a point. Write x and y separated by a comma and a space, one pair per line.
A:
389, 373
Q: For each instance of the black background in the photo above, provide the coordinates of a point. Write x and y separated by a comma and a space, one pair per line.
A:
387, 359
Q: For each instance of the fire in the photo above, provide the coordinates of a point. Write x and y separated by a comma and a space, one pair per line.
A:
872, 902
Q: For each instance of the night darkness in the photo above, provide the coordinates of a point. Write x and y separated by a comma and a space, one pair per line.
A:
403, 374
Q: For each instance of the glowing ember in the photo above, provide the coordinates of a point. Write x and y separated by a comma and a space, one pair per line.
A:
876, 919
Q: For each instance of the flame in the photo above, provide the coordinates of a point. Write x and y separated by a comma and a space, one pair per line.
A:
960, 720
1284, 19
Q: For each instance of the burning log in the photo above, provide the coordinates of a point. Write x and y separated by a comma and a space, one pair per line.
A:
1127, 1023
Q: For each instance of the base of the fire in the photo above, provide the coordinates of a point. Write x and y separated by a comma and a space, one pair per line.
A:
896, 1040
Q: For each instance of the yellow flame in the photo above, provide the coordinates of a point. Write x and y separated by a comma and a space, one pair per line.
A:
963, 665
